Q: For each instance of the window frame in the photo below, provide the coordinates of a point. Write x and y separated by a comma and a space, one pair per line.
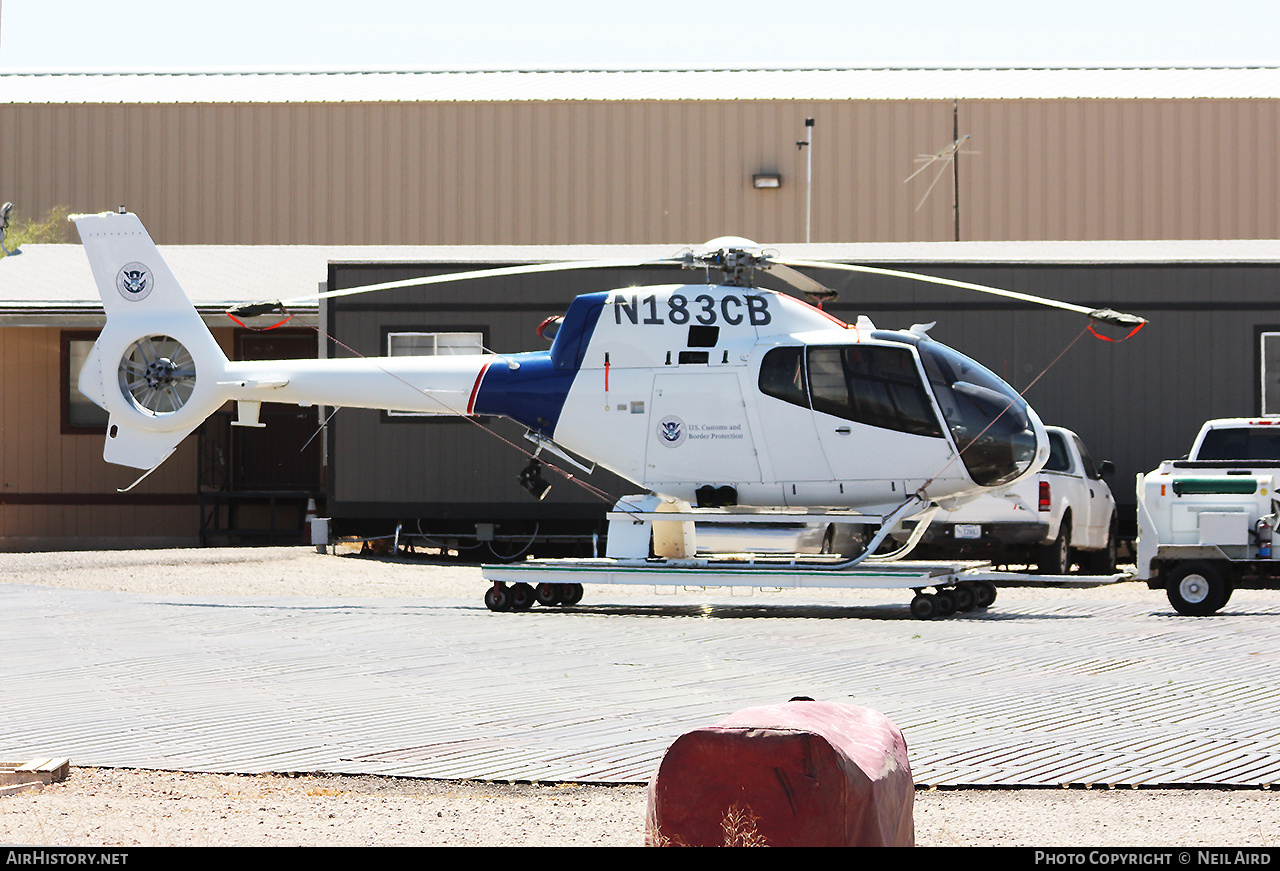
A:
397, 416
67, 385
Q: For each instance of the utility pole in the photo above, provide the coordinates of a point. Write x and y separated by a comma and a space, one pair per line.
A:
808, 191
955, 163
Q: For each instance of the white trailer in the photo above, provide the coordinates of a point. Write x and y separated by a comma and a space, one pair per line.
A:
658, 547
1205, 523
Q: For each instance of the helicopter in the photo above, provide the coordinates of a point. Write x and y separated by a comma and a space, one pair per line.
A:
719, 395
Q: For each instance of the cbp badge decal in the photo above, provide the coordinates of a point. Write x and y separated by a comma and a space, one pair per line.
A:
134, 281
671, 431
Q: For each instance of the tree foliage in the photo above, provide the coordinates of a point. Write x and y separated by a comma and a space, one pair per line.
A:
52, 227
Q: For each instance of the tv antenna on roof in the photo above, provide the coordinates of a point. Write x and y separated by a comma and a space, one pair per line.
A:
948, 156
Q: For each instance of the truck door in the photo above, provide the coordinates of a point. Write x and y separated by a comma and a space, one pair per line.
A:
1100, 503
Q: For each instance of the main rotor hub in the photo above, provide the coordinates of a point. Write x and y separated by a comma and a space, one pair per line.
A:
737, 265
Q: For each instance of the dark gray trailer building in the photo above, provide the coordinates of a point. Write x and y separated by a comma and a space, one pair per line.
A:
1214, 310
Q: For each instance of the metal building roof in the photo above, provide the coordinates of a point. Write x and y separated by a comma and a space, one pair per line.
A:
546, 85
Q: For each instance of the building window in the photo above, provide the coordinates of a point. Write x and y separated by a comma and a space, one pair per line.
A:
431, 345
79, 413
1271, 373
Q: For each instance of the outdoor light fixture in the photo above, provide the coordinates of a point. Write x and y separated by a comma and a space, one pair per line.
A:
766, 180
531, 479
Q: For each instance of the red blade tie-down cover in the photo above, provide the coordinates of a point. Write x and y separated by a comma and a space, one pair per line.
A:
800, 774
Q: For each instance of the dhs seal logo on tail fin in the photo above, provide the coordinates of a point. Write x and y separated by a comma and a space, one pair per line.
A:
134, 281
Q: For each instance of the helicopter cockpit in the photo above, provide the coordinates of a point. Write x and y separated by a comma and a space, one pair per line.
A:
881, 385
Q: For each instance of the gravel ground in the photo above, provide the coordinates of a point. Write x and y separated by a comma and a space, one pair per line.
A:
119, 807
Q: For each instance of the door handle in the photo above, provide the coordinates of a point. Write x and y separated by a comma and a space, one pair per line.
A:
843, 430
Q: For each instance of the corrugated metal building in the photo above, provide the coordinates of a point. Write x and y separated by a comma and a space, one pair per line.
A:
638, 157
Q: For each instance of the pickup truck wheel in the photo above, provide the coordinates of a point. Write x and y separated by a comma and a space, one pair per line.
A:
1103, 562
1055, 558
1197, 588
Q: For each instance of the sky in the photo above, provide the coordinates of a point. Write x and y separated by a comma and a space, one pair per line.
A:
651, 34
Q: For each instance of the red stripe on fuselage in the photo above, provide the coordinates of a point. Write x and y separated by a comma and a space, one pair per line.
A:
475, 388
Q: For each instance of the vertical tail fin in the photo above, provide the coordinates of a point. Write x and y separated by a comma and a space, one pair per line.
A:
155, 368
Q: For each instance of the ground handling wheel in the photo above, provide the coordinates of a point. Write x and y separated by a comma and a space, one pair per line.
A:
521, 597
498, 598
548, 595
966, 597
924, 606
985, 593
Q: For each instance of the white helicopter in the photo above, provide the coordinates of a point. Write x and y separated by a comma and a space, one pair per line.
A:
711, 395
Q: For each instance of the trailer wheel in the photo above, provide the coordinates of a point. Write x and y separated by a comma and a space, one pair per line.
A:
570, 594
547, 594
965, 596
946, 602
1197, 588
984, 593
521, 597
924, 606
497, 598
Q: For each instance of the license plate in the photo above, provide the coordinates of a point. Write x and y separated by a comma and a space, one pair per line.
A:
968, 530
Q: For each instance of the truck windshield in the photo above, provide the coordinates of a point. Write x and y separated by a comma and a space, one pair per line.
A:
987, 418
1243, 443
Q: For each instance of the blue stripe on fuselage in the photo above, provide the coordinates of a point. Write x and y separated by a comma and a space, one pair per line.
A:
534, 394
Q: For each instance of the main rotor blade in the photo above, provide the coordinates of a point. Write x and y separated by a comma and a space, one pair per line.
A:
499, 272
1105, 315
799, 280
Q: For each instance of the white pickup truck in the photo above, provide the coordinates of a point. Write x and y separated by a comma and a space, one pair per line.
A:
1063, 516
1205, 522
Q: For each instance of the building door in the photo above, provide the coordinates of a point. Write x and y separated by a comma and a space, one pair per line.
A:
286, 453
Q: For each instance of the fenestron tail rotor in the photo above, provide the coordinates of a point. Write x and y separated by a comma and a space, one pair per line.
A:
157, 374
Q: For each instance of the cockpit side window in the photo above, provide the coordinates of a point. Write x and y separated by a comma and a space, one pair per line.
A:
782, 376
873, 384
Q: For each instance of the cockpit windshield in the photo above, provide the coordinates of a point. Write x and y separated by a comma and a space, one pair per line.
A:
988, 420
